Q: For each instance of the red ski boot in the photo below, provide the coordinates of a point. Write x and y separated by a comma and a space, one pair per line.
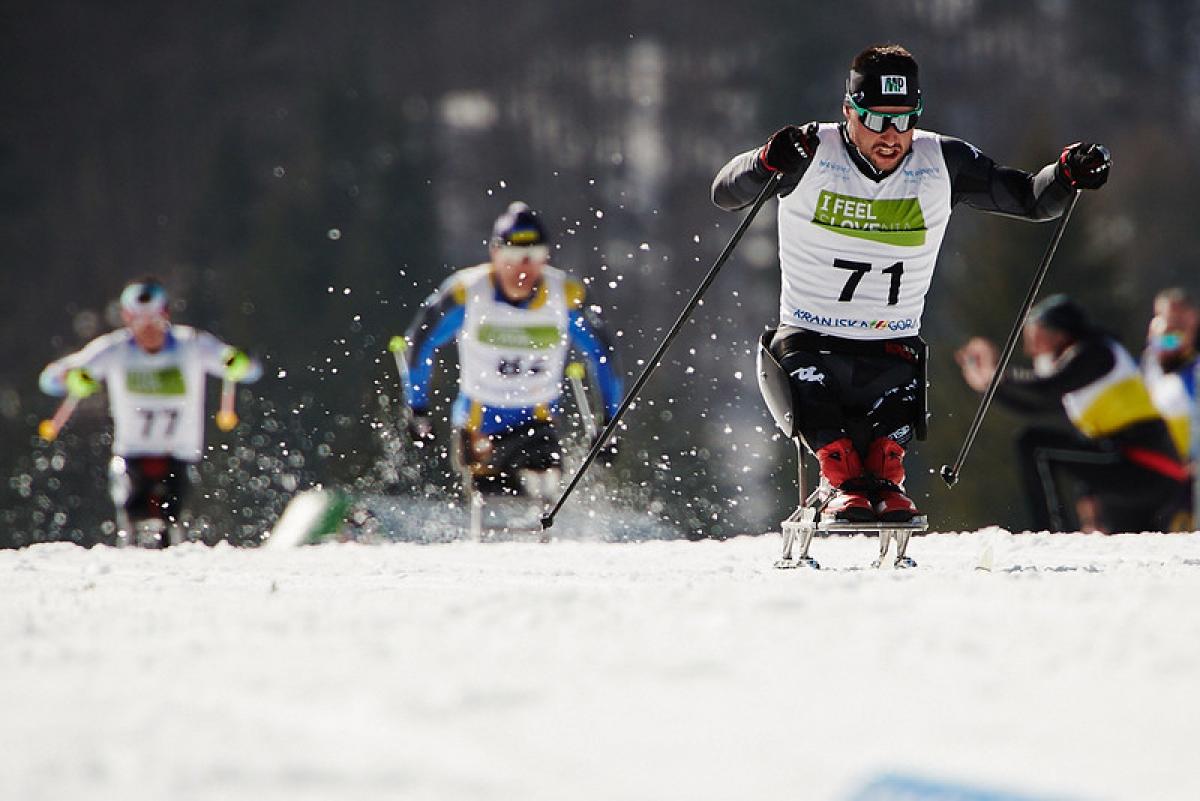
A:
885, 460
843, 469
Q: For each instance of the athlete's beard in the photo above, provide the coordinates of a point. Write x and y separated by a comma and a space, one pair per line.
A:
871, 163
897, 153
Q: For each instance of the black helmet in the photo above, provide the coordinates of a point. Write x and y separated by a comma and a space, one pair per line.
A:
519, 225
884, 75
1060, 313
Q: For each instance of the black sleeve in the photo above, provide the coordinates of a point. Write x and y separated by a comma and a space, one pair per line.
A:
739, 182
985, 185
1082, 364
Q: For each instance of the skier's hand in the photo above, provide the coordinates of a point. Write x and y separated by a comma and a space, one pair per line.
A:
789, 148
80, 383
978, 360
237, 364
420, 428
1084, 165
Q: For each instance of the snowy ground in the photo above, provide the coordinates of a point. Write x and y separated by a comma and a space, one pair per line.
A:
654, 670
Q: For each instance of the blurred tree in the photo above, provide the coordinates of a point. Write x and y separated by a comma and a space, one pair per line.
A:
257, 155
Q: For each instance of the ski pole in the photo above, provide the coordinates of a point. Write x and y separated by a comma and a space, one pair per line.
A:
48, 429
227, 418
950, 473
767, 190
575, 371
397, 345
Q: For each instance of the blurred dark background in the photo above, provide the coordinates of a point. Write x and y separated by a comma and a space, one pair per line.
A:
302, 174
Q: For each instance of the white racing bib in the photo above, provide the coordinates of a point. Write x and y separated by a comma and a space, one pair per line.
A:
511, 356
1171, 398
858, 255
156, 399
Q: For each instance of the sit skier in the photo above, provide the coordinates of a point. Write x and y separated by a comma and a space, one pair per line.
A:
863, 206
1121, 454
154, 372
515, 318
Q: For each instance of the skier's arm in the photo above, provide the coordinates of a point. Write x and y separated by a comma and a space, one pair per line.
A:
789, 150
225, 361
1013, 395
1082, 364
93, 358
739, 181
987, 186
588, 334
53, 379
442, 315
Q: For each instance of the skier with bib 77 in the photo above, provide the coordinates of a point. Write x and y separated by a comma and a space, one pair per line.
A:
154, 371
863, 207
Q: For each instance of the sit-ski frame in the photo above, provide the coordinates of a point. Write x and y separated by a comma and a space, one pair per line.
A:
806, 522
489, 530
536, 485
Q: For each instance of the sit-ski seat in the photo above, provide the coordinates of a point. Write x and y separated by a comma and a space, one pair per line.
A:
807, 521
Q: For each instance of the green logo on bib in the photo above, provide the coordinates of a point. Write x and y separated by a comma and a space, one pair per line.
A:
897, 221
167, 381
520, 337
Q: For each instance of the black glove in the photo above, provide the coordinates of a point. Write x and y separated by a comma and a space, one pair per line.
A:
1084, 165
790, 148
420, 428
607, 454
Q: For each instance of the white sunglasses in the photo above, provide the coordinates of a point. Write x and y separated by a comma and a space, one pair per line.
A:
519, 253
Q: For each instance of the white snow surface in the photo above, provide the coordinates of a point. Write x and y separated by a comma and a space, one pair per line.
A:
588, 670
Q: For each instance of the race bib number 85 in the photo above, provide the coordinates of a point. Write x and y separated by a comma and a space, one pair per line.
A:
519, 366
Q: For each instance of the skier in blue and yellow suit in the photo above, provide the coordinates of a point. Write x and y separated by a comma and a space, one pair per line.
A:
514, 319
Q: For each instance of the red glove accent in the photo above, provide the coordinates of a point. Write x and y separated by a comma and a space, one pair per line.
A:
762, 157
1062, 163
